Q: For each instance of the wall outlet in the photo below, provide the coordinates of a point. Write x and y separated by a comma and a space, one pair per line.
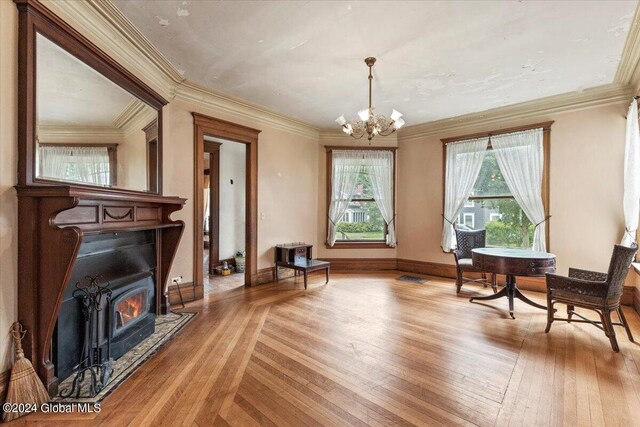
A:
176, 280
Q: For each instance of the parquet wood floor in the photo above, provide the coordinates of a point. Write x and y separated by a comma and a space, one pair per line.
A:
367, 349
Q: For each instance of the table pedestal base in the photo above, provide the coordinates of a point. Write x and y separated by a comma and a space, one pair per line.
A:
510, 291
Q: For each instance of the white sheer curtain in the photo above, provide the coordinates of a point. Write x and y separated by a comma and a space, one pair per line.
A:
521, 159
631, 200
464, 160
92, 164
380, 164
52, 161
81, 164
345, 169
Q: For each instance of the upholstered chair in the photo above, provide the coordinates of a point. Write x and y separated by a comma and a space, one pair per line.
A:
600, 292
466, 241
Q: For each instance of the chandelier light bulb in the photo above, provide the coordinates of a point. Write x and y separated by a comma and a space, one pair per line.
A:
395, 115
398, 123
364, 115
341, 120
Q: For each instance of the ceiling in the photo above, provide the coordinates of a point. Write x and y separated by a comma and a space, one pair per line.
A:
69, 91
436, 59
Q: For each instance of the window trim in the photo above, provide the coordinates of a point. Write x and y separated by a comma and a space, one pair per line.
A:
546, 141
355, 244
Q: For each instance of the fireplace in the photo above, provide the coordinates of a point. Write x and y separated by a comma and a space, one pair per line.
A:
131, 317
124, 262
130, 309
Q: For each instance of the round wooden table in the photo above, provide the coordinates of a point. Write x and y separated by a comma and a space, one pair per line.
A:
512, 262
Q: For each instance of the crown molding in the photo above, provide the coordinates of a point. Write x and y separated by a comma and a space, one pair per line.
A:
109, 33
106, 26
593, 97
79, 134
628, 71
131, 110
135, 117
198, 95
103, 23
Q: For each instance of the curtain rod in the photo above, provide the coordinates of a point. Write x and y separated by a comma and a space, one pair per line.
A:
546, 126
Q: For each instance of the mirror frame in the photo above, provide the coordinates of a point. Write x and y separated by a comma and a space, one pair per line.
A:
34, 18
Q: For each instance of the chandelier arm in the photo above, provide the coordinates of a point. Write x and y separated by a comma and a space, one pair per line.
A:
386, 134
389, 126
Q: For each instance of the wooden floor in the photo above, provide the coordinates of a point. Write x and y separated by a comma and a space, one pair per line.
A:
367, 349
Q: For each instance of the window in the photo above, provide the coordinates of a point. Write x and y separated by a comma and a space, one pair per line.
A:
491, 205
363, 220
469, 220
93, 164
363, 223
505, 222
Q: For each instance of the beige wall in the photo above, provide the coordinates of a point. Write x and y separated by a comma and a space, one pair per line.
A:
8, 154
287, 183
586, 155
132, 161
177, 179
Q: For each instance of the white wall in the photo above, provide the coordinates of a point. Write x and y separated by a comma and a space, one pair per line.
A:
232, 198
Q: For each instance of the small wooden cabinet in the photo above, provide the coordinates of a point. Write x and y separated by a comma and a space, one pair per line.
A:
292, 252
298, 257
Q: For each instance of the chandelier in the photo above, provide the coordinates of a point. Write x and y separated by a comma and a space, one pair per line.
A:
368, 123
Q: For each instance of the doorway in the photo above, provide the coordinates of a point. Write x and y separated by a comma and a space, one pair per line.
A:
210, 136
224, 212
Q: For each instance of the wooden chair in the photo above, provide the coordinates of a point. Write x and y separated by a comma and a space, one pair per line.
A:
600, 292
466, 241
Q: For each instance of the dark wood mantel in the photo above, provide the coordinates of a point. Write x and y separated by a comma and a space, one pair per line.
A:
52, 223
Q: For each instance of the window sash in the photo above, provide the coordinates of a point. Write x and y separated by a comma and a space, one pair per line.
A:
379, 243
384, 229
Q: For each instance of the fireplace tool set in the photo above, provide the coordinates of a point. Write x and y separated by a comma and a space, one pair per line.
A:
93, 298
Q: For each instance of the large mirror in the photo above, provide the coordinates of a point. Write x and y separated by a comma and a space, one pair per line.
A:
88, 129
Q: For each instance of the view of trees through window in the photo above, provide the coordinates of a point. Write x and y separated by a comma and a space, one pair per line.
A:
493, 208
363, 220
